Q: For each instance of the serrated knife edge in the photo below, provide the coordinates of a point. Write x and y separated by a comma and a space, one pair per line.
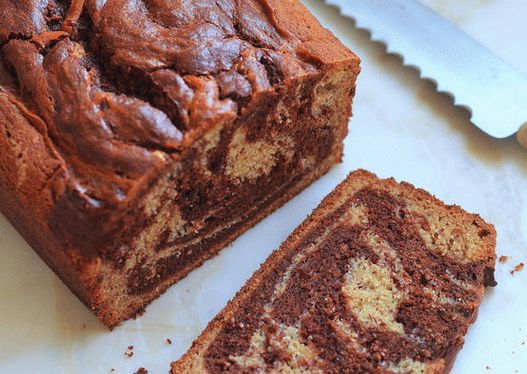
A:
492, 112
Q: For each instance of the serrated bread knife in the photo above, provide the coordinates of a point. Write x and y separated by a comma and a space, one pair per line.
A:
493, 91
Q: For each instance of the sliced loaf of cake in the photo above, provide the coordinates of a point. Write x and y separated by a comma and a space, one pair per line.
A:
381, 278
140, 137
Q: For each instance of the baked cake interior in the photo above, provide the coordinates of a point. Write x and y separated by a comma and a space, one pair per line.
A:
382, 278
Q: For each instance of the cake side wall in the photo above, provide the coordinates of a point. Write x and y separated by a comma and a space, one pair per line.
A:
69, 268
30, 175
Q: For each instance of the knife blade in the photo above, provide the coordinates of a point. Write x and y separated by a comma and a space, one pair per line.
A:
493, 92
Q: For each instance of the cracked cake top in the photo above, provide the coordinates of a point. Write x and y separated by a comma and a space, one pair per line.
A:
118, 85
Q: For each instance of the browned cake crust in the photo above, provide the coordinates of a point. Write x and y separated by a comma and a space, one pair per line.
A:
139, 137
381, 278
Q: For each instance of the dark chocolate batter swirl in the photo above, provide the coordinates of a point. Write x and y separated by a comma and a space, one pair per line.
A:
313, 300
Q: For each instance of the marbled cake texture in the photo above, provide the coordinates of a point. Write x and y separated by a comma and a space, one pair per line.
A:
139, 137
381, 278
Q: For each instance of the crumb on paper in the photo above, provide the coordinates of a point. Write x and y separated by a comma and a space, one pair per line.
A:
130, 352
169, 341
487, 367
518, 268
503, 259
141, 371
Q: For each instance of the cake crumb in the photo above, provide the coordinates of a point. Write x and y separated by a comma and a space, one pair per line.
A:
503, 259
518, 268
130, 352
169, 341
141, 371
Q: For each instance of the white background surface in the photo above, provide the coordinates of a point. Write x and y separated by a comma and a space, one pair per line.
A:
401, 128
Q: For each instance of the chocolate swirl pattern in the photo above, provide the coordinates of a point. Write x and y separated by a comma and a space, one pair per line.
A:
367, 284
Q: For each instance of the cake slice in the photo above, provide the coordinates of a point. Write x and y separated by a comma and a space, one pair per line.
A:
139, 137
381, 278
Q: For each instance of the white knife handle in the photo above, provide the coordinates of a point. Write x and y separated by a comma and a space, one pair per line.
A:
522, 136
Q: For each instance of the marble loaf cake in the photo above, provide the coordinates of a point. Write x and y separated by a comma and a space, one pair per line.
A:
139, 137
381, 278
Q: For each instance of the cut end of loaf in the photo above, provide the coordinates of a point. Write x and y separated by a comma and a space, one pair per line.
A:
232, 178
